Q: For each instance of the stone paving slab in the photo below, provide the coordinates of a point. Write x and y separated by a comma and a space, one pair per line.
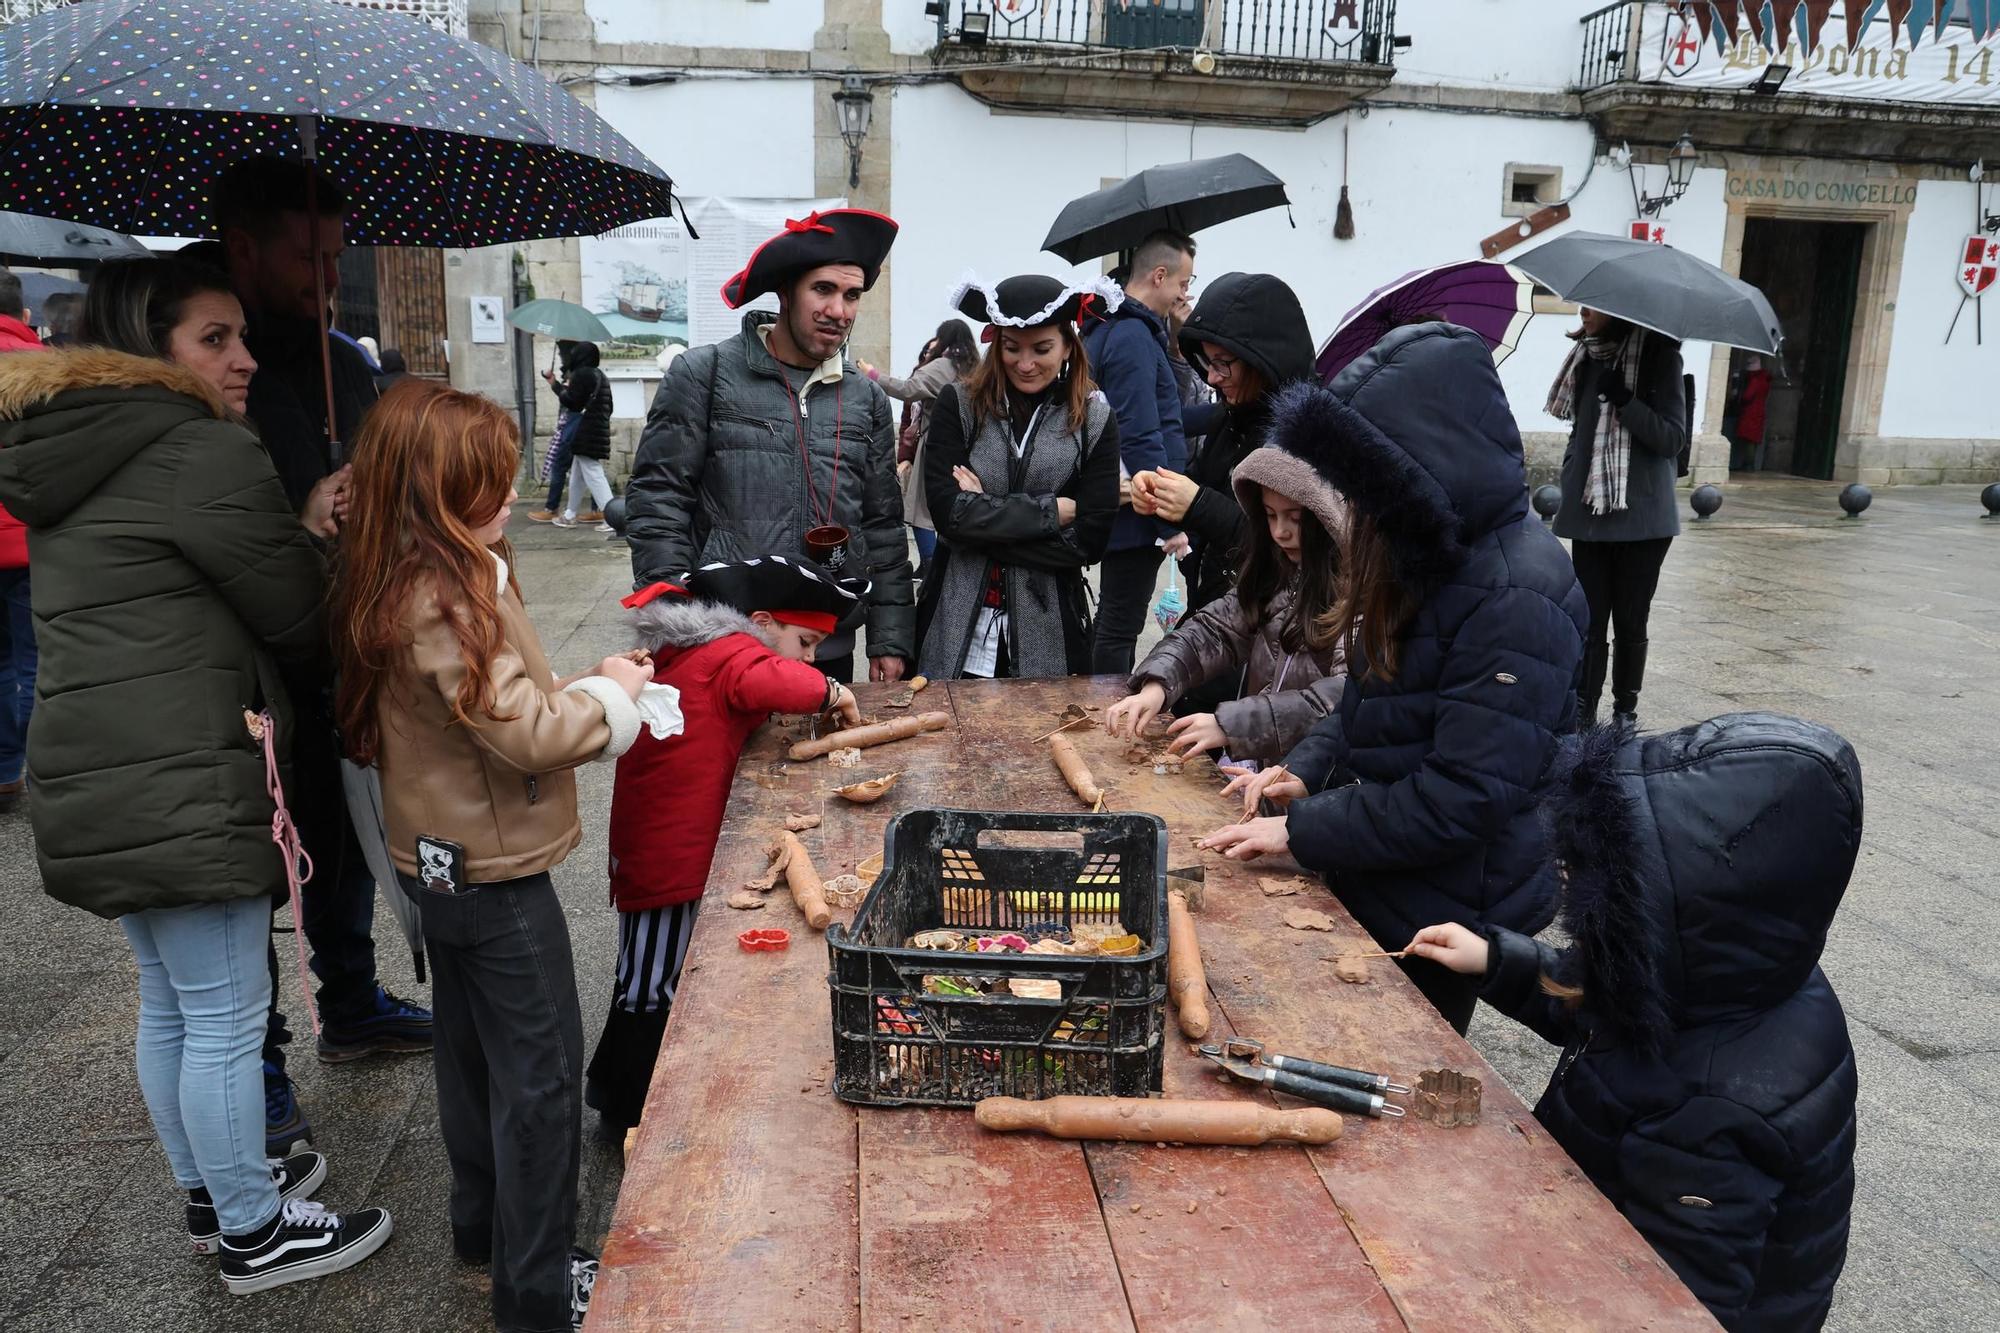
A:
1886, 627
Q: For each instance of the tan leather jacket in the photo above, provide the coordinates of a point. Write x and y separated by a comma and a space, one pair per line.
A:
502, 786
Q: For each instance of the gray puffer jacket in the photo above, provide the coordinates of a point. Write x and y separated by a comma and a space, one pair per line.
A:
718, 477
1285, 692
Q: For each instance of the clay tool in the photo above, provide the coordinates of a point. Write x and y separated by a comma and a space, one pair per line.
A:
1159, 1120
1337, 1096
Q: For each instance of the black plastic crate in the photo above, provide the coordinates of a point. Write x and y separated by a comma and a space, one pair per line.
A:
993, 872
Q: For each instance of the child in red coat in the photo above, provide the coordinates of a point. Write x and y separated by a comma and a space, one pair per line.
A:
737, 640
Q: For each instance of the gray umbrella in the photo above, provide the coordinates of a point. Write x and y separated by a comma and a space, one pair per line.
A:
1180, 196
27, 239
37, 288
1666, 290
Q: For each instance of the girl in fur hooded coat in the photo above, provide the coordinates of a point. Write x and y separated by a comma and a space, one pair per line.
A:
737, 640
1707, 1084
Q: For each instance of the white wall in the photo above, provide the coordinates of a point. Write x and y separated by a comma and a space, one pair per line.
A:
779, 25
1934, 388
978, 189
747, 137
913, 32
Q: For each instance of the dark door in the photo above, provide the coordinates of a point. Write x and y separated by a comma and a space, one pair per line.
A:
1824, 382
1811, 271
1146, 23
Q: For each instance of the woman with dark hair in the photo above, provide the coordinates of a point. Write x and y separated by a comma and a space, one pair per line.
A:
172, 579
1621, 391
1462, 626
1260, 631
947, 358
1248, 334
585, 391
1021, 471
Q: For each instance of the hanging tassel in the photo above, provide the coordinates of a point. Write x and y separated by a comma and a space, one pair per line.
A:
1343, 217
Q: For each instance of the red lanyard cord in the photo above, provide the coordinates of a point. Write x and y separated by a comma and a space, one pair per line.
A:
805, 453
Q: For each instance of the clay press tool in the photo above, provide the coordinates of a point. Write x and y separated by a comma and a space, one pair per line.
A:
1339, 1098
1245, 1048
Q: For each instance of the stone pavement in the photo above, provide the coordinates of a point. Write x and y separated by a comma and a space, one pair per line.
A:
1887, 628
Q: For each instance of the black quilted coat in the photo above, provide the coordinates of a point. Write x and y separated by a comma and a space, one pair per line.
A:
1707, 1085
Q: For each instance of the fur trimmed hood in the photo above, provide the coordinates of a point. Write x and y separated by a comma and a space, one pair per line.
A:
31, 379
681, 623
1292, 477
1703, 866
71, 417
1417, 435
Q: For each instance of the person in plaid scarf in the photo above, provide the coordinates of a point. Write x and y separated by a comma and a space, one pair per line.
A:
1620, 390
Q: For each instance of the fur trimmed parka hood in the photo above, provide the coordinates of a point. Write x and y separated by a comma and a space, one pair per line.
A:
1417, 435
1703, 866
680, 622
72, 417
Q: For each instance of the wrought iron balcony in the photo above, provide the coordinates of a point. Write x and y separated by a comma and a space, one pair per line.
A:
446, 14
1353, 31
1285, 62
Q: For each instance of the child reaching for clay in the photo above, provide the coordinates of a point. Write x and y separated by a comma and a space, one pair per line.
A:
1265, 628
737, 640
1707, 1085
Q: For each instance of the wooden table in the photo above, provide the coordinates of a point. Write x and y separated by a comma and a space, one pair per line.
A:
754, 1199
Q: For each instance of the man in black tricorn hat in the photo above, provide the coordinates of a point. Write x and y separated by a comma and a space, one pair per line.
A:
770, 442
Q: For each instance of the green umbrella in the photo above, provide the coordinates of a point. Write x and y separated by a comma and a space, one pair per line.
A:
560, 319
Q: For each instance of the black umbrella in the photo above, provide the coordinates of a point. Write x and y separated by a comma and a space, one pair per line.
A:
123, 113
1666, 290
1181, 196
26, 239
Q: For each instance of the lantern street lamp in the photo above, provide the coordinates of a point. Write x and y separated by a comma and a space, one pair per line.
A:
854, 105
1681, 160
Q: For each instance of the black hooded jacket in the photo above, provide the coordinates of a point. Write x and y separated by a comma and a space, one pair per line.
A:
1708, 1085
1424, 786
586, 391
1257, 319
288, 399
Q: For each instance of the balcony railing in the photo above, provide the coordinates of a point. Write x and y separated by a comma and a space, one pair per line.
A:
446, 14
1361, 31
1607, 45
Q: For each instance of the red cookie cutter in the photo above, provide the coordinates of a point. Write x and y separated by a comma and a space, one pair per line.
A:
764, 941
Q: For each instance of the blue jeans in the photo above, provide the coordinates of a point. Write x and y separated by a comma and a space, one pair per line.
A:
926, 543
559, 473
17, 672
203, 992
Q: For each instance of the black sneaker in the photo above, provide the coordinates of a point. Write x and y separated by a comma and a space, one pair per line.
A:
582, 1281
297, 1176
390, 1024
286, 1129
304, 1241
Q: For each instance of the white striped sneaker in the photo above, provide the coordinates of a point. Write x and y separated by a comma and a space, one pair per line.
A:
296, 1177
303, 1241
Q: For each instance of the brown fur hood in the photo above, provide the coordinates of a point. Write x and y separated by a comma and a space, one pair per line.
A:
70, 418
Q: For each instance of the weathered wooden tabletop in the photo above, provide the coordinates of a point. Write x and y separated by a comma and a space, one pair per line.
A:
754, 1199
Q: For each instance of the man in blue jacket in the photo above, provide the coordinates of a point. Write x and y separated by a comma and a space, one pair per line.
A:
1128, 358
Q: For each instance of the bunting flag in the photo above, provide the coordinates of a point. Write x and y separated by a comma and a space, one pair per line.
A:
1984, 16
1812, 21
1725, 28
1704, 19
1898, 11
1944, 8
1758, 13
1782, 12
1775, 24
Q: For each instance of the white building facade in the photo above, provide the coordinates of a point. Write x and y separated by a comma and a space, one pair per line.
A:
1449, 120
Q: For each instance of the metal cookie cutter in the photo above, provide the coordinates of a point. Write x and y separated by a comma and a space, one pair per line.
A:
1352, 1090
1446, 1098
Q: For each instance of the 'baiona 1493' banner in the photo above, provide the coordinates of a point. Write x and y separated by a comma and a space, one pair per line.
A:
1958, 60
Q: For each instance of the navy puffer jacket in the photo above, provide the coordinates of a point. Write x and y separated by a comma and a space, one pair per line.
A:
1708, 1085
1424, 786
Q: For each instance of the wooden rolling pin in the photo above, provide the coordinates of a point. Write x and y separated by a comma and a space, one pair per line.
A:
1076, 772
875, 733
808, 890
1156, 1120
1185, 980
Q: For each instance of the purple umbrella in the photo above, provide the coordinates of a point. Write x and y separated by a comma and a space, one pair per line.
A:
1494, 300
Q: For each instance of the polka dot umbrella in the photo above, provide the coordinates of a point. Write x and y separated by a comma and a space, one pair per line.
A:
124, 113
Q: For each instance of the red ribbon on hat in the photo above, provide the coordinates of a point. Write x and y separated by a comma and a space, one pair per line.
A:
810, 222
648, 593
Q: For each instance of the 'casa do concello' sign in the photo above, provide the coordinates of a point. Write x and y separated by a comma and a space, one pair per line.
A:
1838, 191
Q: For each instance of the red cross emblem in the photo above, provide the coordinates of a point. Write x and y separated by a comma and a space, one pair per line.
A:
1683, 44
1979, 264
